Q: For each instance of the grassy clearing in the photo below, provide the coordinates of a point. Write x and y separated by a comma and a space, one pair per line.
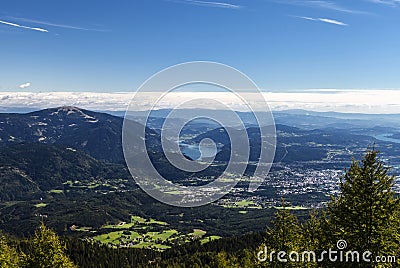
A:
163, 236
137, 219
56, 191
198, 233
117, 238
40, 205
152, 221
137, 222
242, 204
136, 240
110, 238
137, 234
83, 229
209, 238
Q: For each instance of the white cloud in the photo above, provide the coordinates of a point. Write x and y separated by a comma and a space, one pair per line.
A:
54, 24
25, 85
361, 101
330, 21
24, 27
208, 3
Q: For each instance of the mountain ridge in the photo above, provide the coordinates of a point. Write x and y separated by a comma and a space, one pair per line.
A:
98, 134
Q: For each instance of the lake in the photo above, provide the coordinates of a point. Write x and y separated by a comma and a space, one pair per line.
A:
198, 152
386, 137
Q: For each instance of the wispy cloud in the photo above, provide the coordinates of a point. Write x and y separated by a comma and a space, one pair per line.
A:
324, 4
25, 85
23, 26
392, 3
57, 25
208, 3
330, 21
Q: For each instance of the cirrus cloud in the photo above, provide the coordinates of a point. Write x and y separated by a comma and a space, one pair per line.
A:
326, 20
23, 26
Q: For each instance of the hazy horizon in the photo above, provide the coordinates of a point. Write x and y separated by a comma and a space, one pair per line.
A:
325, 100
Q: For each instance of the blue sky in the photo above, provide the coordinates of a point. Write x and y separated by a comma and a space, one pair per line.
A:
283, 45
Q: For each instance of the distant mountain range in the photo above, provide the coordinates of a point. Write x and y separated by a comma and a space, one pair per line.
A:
296, 118
98, 134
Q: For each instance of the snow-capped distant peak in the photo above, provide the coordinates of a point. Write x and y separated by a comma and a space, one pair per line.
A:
72, 110
69, 109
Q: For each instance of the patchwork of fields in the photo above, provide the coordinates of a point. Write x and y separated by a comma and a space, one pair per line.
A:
143, 233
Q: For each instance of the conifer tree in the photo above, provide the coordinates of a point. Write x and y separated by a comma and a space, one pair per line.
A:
313, 231
285, 234
47, 251
365, 214
9, 257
